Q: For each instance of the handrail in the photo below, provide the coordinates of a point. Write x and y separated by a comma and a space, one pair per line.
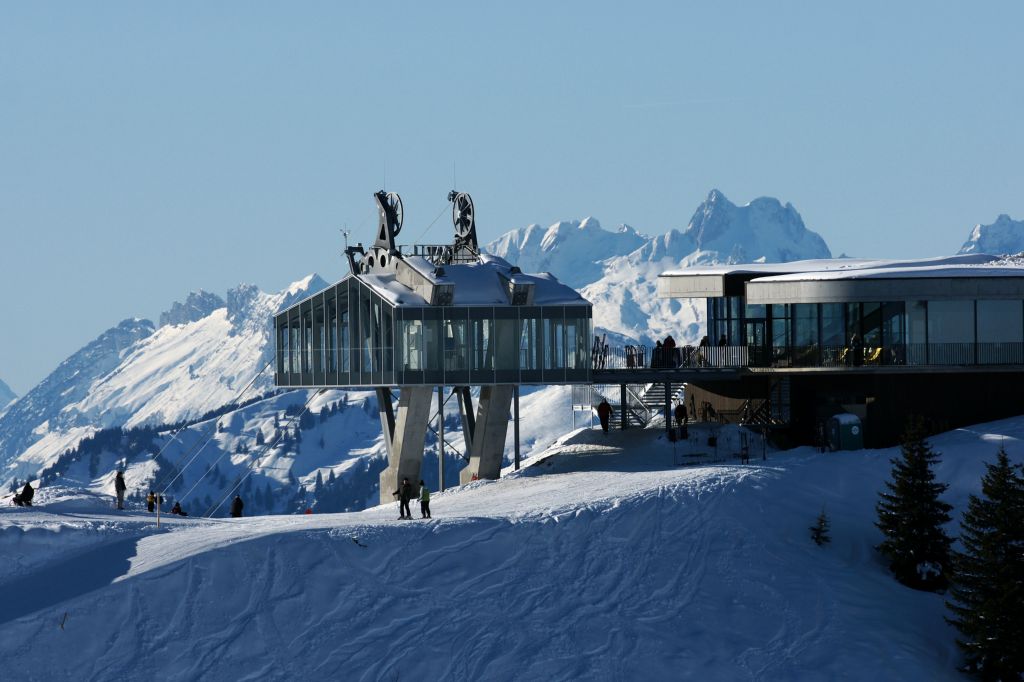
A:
910, 354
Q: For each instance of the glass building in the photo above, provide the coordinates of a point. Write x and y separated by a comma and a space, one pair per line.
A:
358, 332
966, 310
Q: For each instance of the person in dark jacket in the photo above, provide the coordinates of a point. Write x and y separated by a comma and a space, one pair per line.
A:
680, 414
669, 352
404, 494
176, 509
658, 356
24, 498
150, 502
424, 501
119, 488
604, 413
236, 507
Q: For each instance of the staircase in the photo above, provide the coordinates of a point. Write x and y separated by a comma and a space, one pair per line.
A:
643, 402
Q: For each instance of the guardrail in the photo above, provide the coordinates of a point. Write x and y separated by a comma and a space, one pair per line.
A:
913, 354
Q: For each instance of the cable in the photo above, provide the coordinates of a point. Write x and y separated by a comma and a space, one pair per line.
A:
251, 466
443, 209
209, 436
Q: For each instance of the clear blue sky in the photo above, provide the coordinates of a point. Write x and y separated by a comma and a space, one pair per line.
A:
149, 149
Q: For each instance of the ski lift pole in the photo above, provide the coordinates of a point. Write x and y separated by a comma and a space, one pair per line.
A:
157, 510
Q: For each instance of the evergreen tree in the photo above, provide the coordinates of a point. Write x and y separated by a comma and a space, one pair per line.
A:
988, 576
330, 477
819, 531
259, 437
911, 516
319, 486
324, 414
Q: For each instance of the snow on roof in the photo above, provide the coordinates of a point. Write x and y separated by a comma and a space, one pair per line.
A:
847, 418
967, 265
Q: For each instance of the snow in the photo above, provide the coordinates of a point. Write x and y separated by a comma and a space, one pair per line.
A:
1004, 236
600, 560
846, 418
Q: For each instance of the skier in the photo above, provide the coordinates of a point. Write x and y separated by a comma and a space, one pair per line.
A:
604, 413
24, 498
150, 502
119, 488
404, 494
176, 509
424, 501
236, 507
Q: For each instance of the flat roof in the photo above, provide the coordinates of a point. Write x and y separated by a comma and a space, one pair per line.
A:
848, 280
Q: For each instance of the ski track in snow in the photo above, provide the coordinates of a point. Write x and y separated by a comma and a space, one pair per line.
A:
599, 560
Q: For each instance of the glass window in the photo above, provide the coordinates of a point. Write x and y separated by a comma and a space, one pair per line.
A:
554, 340
332, 334
950, 322
345, 339
917, 332
307, 337
483, 343
282, 344
833, 327
529, 339
433, 355
805, 324
505, 341
871, 325
319, 335
456, 347
1000, 322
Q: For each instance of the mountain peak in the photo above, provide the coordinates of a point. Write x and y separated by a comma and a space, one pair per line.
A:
6, 395
1004, 236
198, 305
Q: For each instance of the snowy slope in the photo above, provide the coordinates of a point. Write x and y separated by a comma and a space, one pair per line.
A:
1004, 236
7, 396
601, 561
133, 374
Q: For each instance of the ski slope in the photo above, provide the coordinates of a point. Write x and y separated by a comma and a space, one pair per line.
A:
600, 559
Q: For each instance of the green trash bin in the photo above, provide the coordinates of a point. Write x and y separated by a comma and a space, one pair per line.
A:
845, 432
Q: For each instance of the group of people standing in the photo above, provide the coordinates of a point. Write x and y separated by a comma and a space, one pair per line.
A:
404, 495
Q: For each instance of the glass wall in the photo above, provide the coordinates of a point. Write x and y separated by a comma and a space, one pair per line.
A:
938, 332
350, 336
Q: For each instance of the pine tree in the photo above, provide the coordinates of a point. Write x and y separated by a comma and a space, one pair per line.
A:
259, 437
819, 531
911, 516
319, 486
988, 576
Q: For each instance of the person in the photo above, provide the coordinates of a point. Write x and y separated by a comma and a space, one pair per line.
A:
722, 341
424, 501
150, 502
604, 413
119, 488
657, 357
404, 494
24, 498
857, 350
236, 507
669, 352
176, 509
680, 414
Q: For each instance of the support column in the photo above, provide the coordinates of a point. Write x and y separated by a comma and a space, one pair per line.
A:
440, 438
623, 421
488, 434
668, 407
404, 436
515, 421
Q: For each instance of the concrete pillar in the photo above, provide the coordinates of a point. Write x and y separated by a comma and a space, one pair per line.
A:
404, 436
489, 434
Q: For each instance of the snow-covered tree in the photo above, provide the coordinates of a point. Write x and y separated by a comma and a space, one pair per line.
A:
911, 516
988, 575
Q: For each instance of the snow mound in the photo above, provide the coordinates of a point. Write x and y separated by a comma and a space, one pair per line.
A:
602, 560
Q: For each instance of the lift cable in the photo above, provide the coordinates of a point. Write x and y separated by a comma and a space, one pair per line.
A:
427, 229
255, 461
202, 442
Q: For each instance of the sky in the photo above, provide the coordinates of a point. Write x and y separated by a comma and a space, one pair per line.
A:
152, 149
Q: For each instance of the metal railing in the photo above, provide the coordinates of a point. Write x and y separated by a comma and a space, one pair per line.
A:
913, 354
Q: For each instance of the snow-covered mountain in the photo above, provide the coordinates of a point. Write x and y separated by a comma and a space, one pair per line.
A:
571, 250
622, 284
136, 374
7, 396
198, 305
1004, 236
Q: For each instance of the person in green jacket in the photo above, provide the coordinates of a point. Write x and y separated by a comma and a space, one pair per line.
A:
424, 501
